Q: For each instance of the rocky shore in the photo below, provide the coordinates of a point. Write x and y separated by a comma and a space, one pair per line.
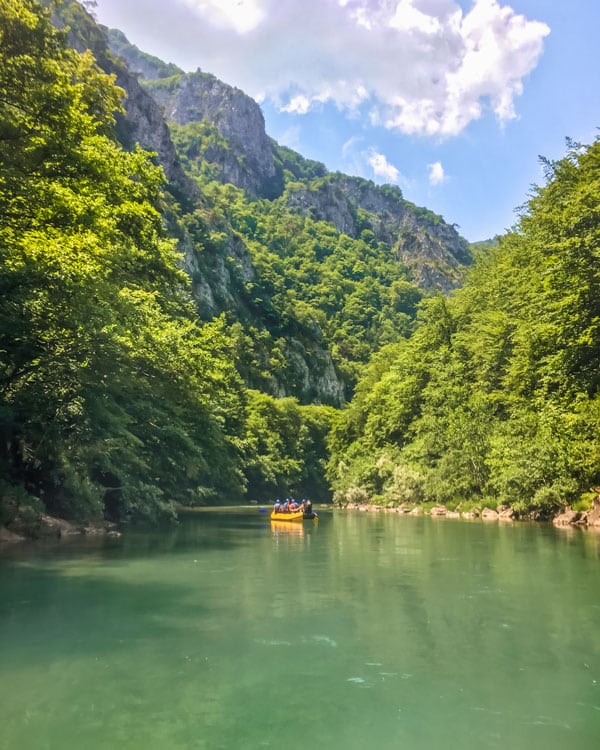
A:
589, 519
48, 527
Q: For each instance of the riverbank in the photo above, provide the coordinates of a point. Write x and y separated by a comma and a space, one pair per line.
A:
49, 527
589, 519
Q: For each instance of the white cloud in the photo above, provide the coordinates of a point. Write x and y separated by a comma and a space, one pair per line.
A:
298, 105
408, 17
382, 168
436, 173
423, 67
370, 163
241, 15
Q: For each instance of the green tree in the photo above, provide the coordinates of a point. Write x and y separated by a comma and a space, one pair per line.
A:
112, 398
495, 397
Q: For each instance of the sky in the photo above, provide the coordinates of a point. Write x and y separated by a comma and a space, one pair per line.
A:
452, 100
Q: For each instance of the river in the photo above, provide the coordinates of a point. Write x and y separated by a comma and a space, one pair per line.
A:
360, 631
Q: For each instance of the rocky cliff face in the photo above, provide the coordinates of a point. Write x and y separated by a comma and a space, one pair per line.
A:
432, 251
218, 285
247, 161
142, 122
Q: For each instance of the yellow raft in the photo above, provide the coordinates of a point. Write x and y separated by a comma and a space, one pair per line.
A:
296, 515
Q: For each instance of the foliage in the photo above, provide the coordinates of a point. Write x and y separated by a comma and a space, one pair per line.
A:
198, 144
286, 447
484, 245
296, 166
312, 283
113, 399
496, 395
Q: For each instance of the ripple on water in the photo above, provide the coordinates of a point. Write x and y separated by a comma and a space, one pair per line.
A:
358, 681
321, 640
266, 642
548, 721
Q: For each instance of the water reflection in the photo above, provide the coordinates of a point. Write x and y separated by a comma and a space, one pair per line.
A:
281, 528
394, 632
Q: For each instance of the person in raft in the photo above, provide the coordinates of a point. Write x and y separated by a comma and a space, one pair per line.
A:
293, 505
277, 505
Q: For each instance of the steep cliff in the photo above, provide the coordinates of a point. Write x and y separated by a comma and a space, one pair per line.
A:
233, 147
305, 324
432, 250
246, 158
142, 121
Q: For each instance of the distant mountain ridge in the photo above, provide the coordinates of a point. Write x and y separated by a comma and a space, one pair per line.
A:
249, 159
140, 63
204, 130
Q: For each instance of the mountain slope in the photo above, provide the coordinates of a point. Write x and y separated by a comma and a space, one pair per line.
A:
432, 251
311, 270
236, 149
244, 154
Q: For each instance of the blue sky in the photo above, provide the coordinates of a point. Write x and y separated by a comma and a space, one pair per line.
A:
451, 100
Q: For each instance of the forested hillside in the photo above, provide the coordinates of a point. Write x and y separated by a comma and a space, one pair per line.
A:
494, 400
264, 253
115, 399
319, 269
182, 325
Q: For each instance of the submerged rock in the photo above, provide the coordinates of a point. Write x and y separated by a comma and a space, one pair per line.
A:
566, 518
489, 515
9, 536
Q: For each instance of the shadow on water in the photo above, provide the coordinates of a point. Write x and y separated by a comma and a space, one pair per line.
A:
54, 613
78, 595
206, 529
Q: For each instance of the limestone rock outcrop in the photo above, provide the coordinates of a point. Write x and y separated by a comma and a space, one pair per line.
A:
247, 160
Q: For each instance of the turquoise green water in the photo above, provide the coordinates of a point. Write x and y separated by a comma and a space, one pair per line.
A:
364, 631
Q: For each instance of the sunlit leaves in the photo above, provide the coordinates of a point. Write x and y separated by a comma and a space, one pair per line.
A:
113, 397
495, 395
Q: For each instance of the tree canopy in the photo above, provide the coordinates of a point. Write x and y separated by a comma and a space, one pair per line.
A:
118, 400
495, 397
